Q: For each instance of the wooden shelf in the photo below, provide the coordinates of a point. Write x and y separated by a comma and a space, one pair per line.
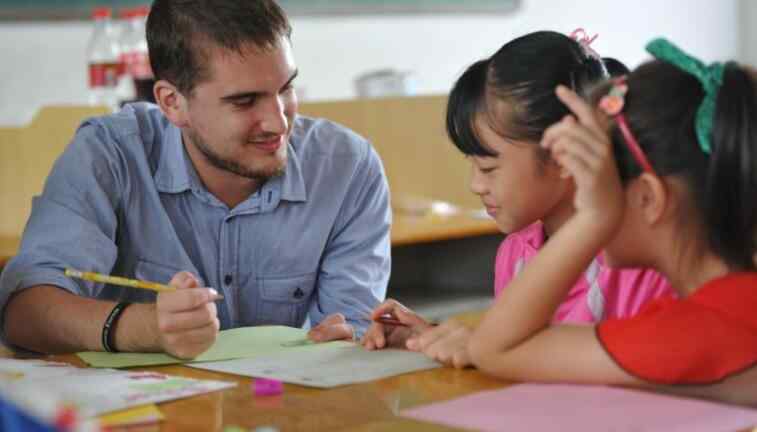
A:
8, 247
423, 229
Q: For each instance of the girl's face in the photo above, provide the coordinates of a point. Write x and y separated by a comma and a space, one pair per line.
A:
516, 187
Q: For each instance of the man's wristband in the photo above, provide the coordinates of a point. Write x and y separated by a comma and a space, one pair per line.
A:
109, 327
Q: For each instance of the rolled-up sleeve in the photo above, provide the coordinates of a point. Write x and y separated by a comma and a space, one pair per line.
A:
73, 222
357, 260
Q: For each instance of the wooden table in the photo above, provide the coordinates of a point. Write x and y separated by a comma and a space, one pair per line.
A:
373, 406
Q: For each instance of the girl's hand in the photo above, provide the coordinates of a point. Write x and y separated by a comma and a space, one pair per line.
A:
446, 343
583, 149
387, 335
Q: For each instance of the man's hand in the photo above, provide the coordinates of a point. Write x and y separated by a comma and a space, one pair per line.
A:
381, 335
333, 327
187, 318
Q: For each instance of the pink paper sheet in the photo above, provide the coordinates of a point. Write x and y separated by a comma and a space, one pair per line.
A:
557, 407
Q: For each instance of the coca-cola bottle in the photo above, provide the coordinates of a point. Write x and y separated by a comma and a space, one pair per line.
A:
103, 56
135, 55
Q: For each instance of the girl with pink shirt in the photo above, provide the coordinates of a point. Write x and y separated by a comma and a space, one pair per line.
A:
496, 115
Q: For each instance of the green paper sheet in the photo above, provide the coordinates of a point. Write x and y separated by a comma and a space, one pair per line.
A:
243, 342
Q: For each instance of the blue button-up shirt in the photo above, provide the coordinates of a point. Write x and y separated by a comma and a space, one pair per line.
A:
124, 199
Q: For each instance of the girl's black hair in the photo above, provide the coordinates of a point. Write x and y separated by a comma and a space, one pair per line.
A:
524, 74
661, 107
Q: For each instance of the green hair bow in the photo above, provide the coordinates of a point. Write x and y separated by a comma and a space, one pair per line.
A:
711, 78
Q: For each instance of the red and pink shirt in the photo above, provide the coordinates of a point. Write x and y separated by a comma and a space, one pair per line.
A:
701, 339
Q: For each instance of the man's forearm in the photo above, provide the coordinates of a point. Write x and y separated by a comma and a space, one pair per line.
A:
51, 320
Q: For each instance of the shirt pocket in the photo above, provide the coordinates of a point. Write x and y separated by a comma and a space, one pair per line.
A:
285, 300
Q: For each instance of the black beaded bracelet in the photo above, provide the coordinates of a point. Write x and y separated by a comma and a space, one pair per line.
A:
109, 327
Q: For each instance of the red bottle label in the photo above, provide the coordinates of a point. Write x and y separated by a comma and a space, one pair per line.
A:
137, 65
104, 74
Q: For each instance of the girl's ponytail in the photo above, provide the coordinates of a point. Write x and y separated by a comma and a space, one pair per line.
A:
698, 122
730, 201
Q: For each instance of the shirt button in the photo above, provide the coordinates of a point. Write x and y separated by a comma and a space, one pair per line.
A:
228, 279
298, 294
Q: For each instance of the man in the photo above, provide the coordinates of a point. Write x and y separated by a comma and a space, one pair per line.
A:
221, 185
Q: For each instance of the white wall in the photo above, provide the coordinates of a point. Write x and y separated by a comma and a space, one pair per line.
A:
45, 64
748, 14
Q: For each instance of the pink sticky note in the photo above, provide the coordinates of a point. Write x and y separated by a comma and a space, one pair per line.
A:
554, 407
267, 387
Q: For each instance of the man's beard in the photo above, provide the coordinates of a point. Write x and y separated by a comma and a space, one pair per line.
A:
259, 175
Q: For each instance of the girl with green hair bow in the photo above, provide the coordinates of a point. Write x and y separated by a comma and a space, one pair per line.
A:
665, 167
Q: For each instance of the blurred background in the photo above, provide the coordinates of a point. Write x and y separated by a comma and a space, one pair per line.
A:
44, 61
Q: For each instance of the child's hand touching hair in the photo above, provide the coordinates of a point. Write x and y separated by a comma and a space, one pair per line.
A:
583, 149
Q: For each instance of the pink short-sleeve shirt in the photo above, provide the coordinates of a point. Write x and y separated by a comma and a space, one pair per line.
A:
601, 292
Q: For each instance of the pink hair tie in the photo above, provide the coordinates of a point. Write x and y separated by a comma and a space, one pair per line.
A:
612, 105
579, 35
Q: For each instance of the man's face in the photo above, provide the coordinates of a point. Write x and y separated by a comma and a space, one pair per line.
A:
241, 118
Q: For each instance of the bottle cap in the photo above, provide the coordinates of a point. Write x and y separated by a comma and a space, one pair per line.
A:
101, 12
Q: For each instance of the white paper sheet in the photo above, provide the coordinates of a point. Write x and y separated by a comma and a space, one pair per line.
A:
325, 368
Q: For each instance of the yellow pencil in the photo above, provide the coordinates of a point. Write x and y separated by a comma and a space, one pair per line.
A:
122, 281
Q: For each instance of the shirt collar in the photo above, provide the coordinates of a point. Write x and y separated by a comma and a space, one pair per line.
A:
293, 184
173, 175
533, 235
176, 173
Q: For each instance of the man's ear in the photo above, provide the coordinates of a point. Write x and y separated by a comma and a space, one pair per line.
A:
172, 103
651, 197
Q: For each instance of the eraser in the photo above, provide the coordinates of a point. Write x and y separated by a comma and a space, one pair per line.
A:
267, 387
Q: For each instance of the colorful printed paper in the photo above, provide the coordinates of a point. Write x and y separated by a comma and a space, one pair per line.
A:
94, 391
132, 417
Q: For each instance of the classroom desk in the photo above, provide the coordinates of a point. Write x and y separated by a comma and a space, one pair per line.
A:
408, 229
368, 407
405, 230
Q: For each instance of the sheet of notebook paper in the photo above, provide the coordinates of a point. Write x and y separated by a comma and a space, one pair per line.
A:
330, 366
230, 344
